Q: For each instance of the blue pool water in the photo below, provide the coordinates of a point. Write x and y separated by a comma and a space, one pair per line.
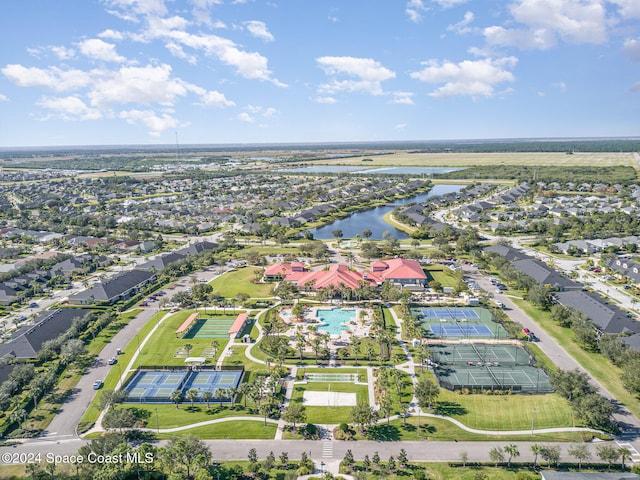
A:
332, 320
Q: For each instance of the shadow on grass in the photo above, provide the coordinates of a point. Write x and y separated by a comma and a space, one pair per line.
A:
384, 433
449, 409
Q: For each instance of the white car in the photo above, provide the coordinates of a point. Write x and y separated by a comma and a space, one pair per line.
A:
97, 385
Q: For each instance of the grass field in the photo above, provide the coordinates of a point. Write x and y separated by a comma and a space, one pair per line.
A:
504, 412
330, 415
238, 281
161, 348
255, 430
402, 158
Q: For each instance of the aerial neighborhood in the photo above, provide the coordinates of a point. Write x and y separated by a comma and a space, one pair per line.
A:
363, 314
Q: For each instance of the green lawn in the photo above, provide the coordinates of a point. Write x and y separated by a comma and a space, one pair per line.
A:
445, 276
504, 412
161, 348
228, 430
597, 365
169, 416
438, 429
238, 281
317, 414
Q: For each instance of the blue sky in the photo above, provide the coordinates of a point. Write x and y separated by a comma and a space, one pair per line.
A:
104, 72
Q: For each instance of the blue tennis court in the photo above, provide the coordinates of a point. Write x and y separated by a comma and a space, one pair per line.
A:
157, 386
213, 382
457, 329
154, 385
449, 313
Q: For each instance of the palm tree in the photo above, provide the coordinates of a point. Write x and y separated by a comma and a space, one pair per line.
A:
176, 397
207, 396
192, 395
624, 454
512, 451
536, 449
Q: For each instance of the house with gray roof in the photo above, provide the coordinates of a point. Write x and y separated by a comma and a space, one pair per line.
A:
27, 341
545, 275
606, 317
117, 288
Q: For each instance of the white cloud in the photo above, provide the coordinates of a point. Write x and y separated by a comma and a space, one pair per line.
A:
631, 48
414, 10
3, 98
69, 108
213, 98
250, 65
449, 3
628, 8
131, 10
402, 98
53, 77
259, 30
400, 126
635, 87
155, 124
328, 100
561, 86
245, 117
178, 52
146, 85
369, 75
99, 50
111, 34
544, 22
472, 78
462, 26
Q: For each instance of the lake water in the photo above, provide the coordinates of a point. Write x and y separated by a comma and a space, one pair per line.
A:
372, 219
371, 171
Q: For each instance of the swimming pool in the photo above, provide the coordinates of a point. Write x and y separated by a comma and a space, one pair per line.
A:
334, 321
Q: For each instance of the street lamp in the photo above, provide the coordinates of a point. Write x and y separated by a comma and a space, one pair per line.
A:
157, 422
533, 411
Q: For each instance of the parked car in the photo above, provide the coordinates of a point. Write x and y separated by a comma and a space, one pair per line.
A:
33, 305
97, 385
526, 331
112, 360
143, 304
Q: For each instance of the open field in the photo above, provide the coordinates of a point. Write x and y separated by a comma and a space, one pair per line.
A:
604, 159
238, 281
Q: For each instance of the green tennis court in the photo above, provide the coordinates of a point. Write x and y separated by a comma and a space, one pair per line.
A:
517, 378
480, 353
210, 328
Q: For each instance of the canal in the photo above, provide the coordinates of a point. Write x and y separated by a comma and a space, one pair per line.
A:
373, 220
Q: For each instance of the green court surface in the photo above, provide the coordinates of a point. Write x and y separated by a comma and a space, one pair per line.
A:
210, 328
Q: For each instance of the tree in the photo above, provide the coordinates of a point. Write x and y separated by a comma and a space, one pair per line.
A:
496, 455
580, 452
426, 392
624, 454
348, 460
72, 350
594, 410
119, 418
608, 453
551, 454
253, 455
294, 413
187, 452
513, 452
176, 397
284, 459
539, 295
386, 405
207, 396
536, 449
571, 384
192, 395
363, 415
403, 460
367, 233
337, 233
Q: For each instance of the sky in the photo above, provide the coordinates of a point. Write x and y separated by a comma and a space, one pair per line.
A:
121, 72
